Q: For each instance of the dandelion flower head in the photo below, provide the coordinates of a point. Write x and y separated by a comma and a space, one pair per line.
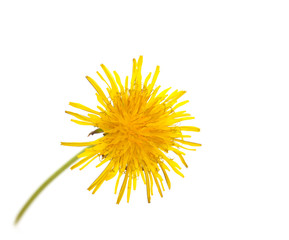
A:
139, 125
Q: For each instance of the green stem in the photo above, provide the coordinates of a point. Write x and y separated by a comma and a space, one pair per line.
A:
44, 185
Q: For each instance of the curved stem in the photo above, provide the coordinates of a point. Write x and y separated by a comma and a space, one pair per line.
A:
44, 185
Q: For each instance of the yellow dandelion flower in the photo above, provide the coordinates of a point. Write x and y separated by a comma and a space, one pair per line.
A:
140, 125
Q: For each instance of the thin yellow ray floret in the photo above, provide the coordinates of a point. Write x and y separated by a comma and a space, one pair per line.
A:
129, 187
83, 118
157, 183
90, 157
118, 81
117, 181
163, 168
122, 189
83, 123
134, 182
82, 107
132, 82
147, 79
147, 185
102, 78
110, 78
180, 104
189, 143
150, 87
189, 128
78, 144
98, 89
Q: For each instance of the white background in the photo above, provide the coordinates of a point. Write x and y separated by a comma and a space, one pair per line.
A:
232, 59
